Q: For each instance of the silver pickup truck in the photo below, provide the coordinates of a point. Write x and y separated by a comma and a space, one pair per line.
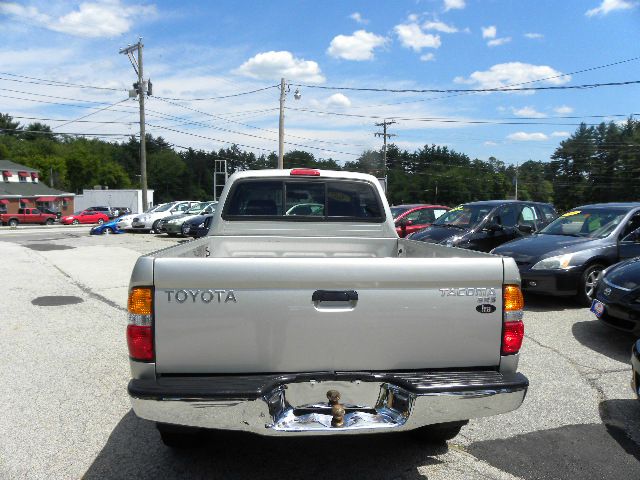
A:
303, 313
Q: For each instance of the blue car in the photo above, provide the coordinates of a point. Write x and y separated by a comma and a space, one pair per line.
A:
107, 228
197, 226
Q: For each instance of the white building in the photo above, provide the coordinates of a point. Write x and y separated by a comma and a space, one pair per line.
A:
113, 198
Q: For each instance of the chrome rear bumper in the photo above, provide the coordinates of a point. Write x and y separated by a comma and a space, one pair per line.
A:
293, 405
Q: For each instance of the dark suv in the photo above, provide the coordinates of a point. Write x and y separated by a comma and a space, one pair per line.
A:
485, 225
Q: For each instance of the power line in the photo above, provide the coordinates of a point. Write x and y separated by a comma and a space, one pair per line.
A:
80, 119
589, 69
49, 96
210, 138
259, 128
56, 103
254, 136
58, 83
40, 119
435, 119
76, 134
248, 146
472, 90
219, 97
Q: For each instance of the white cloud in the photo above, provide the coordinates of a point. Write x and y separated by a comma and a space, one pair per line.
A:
560, 134
27, 13
440, 27
489, 143
105, 18
504, 74
563, 110
274, 65
355, 16
427, 57
496, 42
527, 112
608, 6
534, 36
36, 56
358, 46
489, 32
454, 5
412, 36
338, 100
527, 137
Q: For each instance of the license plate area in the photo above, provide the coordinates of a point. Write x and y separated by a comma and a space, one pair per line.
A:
598, 308
378, 406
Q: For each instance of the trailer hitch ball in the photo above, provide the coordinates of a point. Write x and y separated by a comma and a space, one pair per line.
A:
337, 410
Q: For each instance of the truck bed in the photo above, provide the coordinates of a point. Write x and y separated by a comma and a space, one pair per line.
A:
250, 304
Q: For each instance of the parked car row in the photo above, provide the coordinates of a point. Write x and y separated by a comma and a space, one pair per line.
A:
168, 218
172, 225
591, 252
563, 255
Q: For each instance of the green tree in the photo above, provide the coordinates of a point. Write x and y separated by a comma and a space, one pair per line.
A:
8, 126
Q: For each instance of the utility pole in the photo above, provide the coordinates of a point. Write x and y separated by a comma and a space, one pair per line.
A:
283, 95
516, 196
141, 87
384, 136
284, 89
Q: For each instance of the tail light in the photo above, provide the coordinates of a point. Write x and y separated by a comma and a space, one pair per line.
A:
512, 326
139, 329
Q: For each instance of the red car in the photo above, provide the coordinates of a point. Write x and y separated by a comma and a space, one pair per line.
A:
85, 217
411, 218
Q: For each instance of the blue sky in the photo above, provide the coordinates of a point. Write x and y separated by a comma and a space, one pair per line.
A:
212, 49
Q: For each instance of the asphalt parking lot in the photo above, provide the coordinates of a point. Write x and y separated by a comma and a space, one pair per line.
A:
65, 413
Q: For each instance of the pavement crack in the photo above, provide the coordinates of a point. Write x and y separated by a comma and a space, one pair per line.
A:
89, 291
570, 360
591, 377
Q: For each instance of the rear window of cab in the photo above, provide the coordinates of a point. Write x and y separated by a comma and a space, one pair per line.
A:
303, 200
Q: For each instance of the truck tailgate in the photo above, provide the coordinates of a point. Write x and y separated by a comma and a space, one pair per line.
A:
247, 315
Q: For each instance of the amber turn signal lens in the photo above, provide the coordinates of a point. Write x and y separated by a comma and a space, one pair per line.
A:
512, 298
140, 300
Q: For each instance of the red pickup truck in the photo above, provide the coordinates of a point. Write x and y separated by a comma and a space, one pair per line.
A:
27, 215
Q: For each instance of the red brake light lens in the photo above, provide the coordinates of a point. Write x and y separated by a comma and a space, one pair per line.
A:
308, 172
512, 335
140, 342
139, 330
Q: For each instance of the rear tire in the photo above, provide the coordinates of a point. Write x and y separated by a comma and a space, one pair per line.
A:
178, 436
13, 222
439, 432
100, 221
75, 221
49, 221
155, 226
587, 284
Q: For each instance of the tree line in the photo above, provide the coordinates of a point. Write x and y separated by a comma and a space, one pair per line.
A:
595, 164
